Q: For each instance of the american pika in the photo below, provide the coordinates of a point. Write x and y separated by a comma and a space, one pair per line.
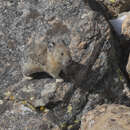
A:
42, 56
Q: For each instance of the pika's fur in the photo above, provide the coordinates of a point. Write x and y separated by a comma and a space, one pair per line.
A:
42, 56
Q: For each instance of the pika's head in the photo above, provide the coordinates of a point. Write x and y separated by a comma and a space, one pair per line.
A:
60, 53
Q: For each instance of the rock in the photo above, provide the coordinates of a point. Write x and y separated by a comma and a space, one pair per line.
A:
107, 117
121, 27
94, 77
126, 27
128, 66
19, 117
113, 7
121, 24
118, 23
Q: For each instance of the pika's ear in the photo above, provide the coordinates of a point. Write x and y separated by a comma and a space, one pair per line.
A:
51, 46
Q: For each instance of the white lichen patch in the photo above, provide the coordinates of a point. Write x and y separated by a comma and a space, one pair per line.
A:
1, 102
28, 88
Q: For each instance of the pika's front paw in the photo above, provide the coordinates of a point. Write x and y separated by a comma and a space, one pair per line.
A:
59, 80
27, 77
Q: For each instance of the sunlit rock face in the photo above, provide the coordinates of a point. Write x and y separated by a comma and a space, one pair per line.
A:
128, 66
107, 117
126, 27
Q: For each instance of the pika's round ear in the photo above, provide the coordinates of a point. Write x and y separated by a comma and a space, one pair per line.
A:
51, 46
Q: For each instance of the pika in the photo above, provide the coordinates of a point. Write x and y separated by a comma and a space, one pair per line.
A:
42, 56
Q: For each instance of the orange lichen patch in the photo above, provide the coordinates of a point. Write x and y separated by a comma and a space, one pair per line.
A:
42, 108
12, 98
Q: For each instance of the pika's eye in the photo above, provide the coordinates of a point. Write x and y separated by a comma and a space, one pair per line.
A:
51, 44
62, 53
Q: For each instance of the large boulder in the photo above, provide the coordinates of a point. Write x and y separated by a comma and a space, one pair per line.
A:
94, 77
113, 8
107, 117
126, 26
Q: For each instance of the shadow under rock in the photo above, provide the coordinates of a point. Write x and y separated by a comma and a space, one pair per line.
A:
76, 73
40, 75
98, 7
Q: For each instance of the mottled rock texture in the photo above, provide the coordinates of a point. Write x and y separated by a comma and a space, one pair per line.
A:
128, 66
107, 117
121, 27
94, 77
113, 8
126, 27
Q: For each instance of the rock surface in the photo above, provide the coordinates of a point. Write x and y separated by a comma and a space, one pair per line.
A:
128, 66
113, 8
94, 77
121, 27
107, 117
126, 27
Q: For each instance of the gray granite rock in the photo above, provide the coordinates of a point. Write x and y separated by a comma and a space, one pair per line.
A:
107, 117
113, 8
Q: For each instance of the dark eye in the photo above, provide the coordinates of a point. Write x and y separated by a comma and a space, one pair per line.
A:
51, 44
62, 53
